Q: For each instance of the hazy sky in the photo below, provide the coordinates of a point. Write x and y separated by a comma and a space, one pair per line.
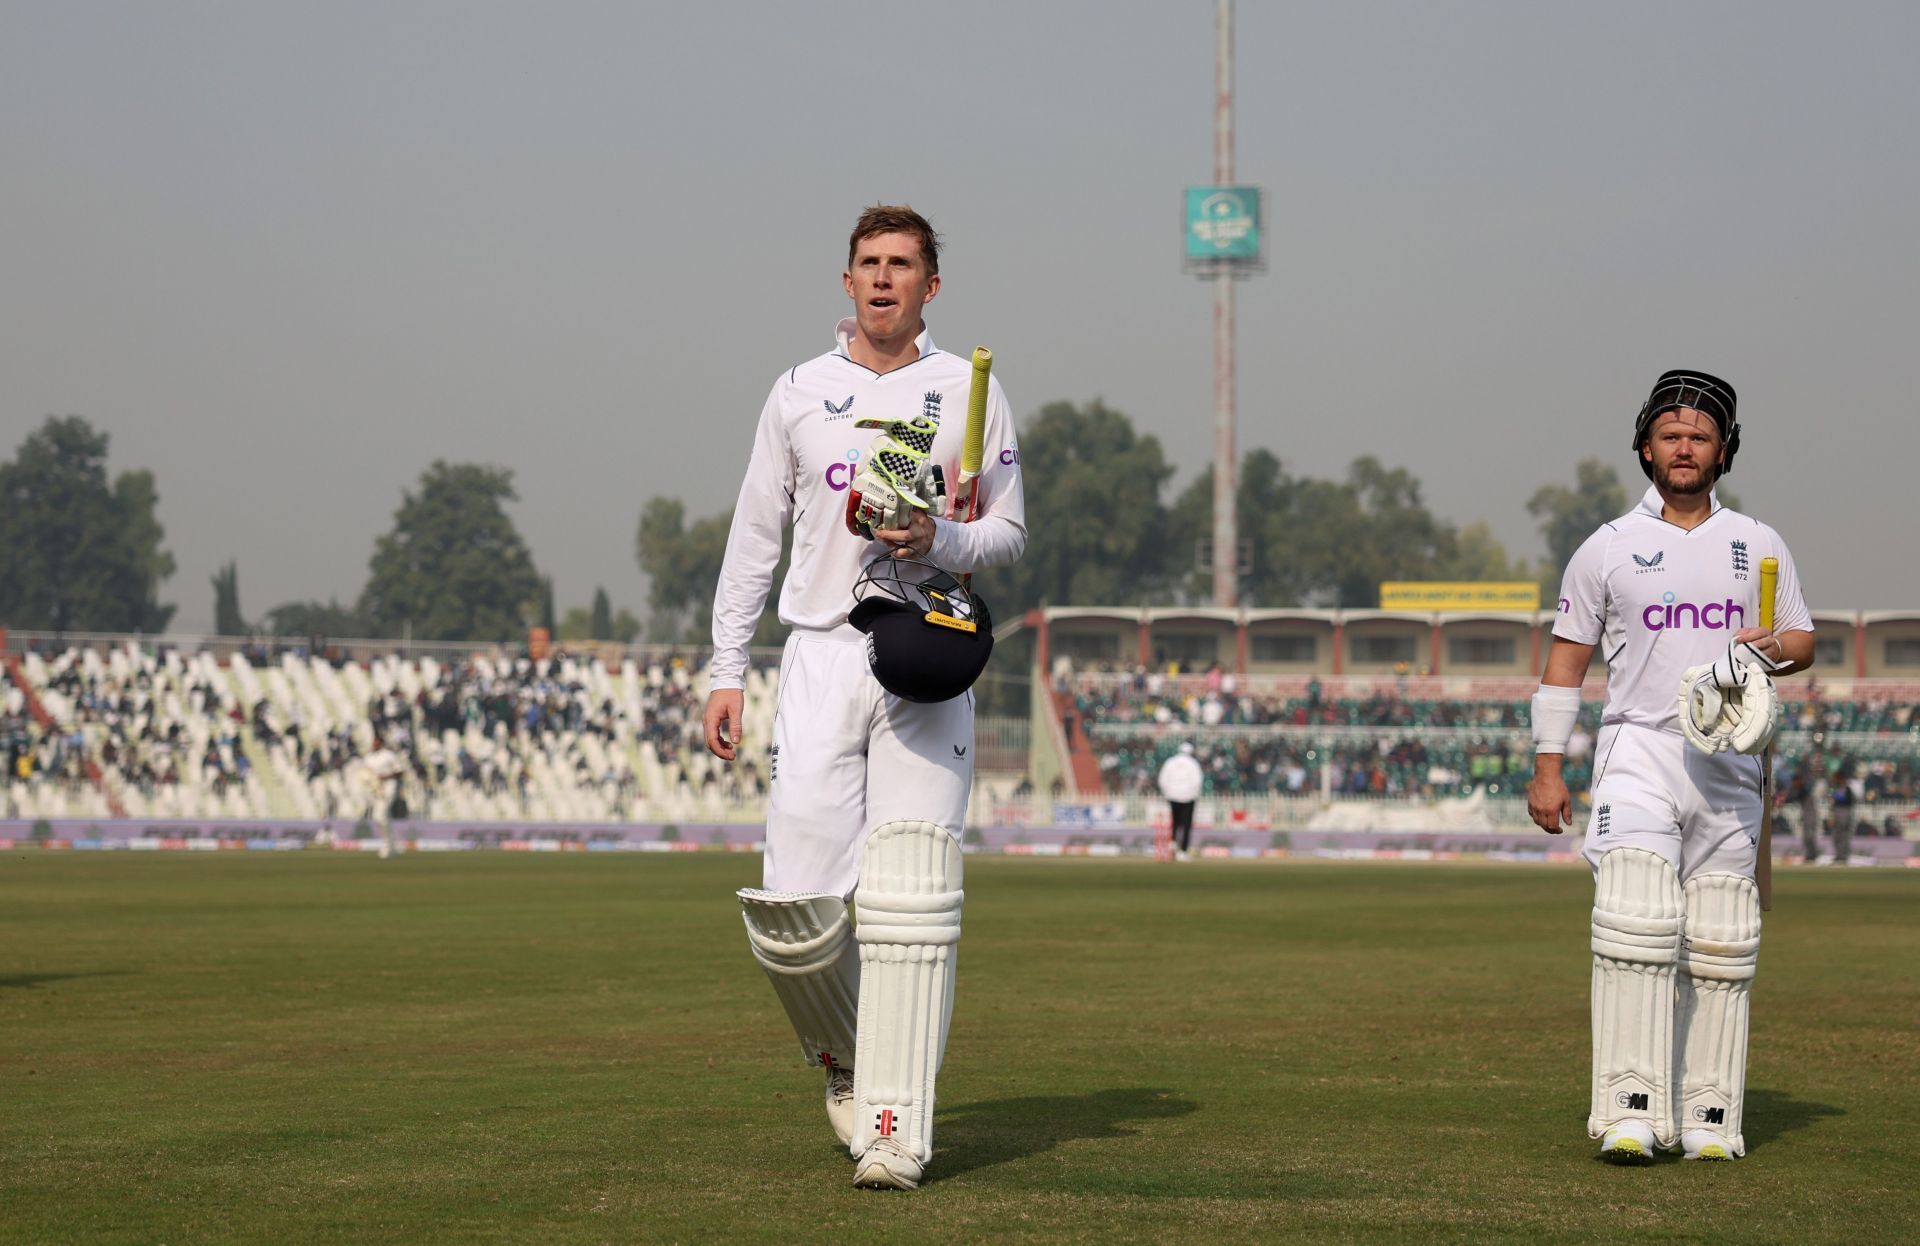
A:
288, 254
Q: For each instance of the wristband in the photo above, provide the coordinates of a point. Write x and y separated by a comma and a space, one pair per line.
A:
1555, 710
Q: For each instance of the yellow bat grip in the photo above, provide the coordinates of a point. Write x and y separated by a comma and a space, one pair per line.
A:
1769, 582
974, 449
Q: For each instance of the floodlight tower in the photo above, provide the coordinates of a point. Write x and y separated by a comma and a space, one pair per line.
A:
1224, 244
1226, 531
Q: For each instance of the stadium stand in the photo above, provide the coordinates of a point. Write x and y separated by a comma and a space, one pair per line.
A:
489, 738
1394, 737
144, 730
49, 773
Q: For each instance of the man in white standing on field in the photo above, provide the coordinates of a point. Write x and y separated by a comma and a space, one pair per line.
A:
868, 790
1672, 591
1181, 780
386, 771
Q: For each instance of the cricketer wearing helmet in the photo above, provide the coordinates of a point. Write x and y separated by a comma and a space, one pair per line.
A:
1670, 592
872, 737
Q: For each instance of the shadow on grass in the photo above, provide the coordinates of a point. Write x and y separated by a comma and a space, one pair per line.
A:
994, 1131
26, 981
1771, 1113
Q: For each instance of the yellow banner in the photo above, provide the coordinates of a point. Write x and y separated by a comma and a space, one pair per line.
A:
1451, 595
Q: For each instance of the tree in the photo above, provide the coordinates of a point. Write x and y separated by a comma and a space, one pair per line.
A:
599, 622
547, 619
1399, 538
139, 502
600, 627
626, 629
1313, 546
1479, 556
454, 567
311, 619
1329, 542
227, 619
78, 554
682, 564
1569, 516
1264, 498
1097, 532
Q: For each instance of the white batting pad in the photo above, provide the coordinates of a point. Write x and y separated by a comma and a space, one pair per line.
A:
804, 940
908, 903
1638, 912
1718, 959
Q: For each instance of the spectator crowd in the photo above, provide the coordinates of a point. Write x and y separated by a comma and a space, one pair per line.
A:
152, 731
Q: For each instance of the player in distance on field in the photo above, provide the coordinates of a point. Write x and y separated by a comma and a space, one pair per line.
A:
872, 741
1672, 590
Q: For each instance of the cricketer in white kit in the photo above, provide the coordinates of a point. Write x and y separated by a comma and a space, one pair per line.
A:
868, 790
1670, 594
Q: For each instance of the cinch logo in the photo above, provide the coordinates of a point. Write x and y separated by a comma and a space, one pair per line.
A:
1710, 1116
1566, 607
1715, 616
840, 475
1010, 458
1631, 1101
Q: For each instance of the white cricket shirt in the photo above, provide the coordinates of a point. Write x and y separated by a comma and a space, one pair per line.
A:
1657, 599
1181, 778
806, 452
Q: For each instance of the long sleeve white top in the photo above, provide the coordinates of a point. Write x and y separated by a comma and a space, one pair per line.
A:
1181, 778
806, 452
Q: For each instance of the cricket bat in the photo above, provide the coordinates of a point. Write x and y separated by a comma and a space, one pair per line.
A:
966, 498
973, 450
1763, 866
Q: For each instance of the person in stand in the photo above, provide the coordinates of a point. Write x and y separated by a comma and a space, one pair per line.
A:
1671, 591
1180, 782
1844, 793
1803, 797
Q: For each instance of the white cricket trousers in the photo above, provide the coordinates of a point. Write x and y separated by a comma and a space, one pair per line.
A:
849, 756
1653, 790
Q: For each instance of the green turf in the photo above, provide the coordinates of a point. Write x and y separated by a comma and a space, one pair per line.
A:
504, 1048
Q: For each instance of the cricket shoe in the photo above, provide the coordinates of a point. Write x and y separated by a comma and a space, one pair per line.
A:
1704, 1144
1629, 1142
840, 1102
885, 1166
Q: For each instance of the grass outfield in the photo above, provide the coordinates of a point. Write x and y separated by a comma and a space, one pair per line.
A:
322, 1047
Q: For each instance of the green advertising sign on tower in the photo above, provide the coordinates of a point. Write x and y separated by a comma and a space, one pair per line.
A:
1223, 223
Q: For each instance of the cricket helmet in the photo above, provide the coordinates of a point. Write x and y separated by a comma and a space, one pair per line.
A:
1689, 387
928, 635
